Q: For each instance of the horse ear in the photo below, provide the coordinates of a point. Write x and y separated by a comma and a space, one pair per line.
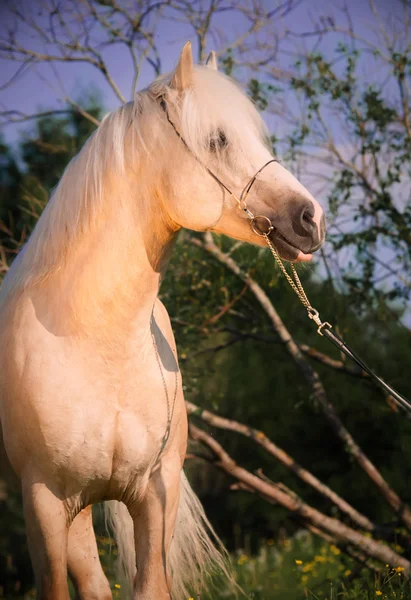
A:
183, 74
211, 61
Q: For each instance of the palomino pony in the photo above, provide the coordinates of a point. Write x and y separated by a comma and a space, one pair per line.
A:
91, 401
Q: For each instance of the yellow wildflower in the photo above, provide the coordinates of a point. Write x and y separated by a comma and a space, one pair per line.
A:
347, 572
298, 562
319, 558
117, 586
378, 593
399, 569
106, 541
335, 550
242, 559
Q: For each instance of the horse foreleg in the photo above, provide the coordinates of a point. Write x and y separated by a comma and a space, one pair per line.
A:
154, 521
83, 561
47, 527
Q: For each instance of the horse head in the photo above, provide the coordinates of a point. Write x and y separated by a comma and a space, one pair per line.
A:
213, 143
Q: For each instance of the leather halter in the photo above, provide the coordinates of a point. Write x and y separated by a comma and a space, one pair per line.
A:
256, 221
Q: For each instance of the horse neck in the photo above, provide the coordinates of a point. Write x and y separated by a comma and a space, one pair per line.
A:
110, 276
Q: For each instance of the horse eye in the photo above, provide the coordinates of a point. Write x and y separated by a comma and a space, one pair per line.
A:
217, 141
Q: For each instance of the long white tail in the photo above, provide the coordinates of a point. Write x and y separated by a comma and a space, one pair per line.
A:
196, 553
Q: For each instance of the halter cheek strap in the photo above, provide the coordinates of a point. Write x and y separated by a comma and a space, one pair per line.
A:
260, 224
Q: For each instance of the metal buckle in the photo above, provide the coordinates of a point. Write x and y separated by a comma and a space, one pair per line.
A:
257, 231
326, 323
314, 315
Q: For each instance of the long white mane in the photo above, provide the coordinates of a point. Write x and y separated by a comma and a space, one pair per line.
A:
136, 138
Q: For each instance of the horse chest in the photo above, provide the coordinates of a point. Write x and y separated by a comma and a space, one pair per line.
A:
73, 420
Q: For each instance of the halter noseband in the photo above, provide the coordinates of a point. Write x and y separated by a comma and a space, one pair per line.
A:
268, 227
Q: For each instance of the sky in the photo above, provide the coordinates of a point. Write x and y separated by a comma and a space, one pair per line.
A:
40, 88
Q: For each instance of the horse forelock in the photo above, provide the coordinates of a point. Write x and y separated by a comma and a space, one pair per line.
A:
214, 103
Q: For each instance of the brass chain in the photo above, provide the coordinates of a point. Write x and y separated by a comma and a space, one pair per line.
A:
297, 286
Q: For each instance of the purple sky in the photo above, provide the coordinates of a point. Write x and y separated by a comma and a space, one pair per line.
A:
40, 88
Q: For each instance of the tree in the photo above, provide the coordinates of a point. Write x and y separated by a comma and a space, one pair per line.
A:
352, 138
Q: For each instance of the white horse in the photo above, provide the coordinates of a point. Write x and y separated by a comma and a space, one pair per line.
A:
91, 401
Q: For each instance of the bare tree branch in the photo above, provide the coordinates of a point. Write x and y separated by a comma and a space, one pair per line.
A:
313, 379
285, 459
277, 494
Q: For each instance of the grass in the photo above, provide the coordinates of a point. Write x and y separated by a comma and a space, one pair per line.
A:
306, 568
298, 568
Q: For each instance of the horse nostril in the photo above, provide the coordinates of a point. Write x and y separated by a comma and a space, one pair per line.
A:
307, 219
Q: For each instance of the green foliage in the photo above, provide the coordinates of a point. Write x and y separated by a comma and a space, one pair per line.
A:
15, 570
295, 568
44, 153
304, 567
292, 568
259, 92
227, 62
10, 180
376, 117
